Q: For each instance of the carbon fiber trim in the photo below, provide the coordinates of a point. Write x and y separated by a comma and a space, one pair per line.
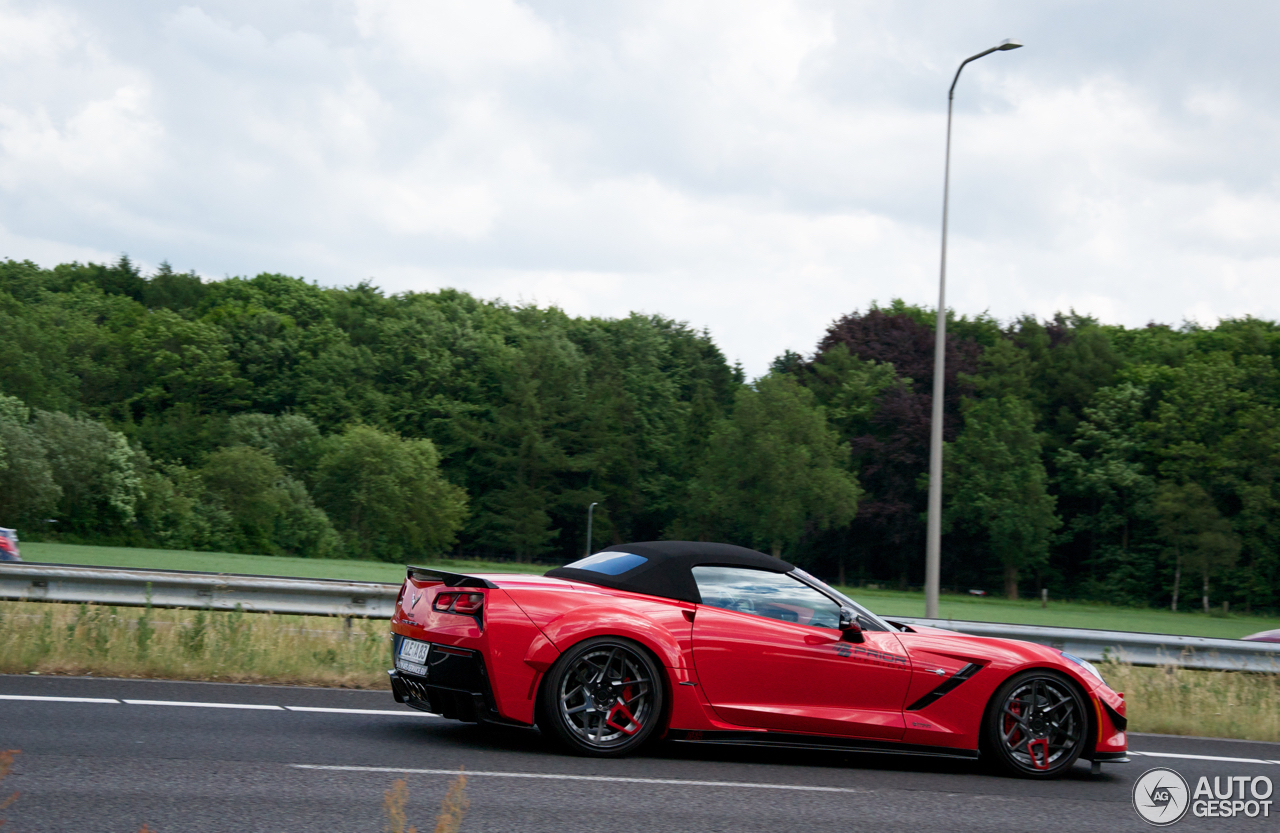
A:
948, 685
785, 740
449, 579
1118, 720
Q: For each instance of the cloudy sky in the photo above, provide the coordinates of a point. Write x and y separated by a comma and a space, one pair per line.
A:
755, 168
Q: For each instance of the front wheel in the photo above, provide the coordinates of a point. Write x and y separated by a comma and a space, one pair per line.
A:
603, 697
1036, 725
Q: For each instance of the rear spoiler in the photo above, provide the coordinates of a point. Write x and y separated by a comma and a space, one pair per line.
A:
449, 579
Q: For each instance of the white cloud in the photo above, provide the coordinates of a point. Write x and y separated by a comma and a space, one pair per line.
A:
459, 39
758, 168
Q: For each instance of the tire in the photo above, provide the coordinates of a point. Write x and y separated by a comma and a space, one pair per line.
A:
603, 697
1036, 725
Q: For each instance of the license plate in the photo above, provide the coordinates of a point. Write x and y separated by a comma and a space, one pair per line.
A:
413, 656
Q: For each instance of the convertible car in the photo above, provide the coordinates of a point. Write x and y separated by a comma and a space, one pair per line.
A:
713, 643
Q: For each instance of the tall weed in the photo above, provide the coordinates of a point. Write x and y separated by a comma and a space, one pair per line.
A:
231, 646
452, 809
6, 764
1183, 701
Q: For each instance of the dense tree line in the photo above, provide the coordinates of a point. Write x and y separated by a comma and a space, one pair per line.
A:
271, 415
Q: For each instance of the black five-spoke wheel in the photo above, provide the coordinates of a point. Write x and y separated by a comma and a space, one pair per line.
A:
603, 697
1036, 726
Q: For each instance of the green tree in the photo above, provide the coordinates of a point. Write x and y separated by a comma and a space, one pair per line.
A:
28, 492
1107, 468
998, 485
98, 474
848, 388
387, 495
1217, 424
1201, 539
774, 469
270, 512
171, 513
525, 445
1069, 358
292, 440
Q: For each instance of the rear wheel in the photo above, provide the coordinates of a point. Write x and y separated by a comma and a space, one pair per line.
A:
603, 697
1036, 725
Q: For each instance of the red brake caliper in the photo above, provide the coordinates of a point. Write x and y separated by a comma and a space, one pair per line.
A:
1043, 743
618, 708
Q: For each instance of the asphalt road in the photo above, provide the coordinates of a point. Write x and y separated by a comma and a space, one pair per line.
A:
209, 757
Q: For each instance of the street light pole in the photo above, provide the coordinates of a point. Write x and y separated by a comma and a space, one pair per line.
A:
589, 510
933, 534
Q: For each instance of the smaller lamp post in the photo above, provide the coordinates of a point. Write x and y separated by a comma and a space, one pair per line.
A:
589, 510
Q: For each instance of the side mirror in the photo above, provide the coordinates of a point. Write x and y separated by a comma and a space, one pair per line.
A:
850, 630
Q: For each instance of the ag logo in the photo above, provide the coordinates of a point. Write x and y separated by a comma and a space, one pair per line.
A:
1161, 796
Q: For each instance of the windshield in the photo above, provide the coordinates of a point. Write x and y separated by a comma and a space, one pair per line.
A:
866, 619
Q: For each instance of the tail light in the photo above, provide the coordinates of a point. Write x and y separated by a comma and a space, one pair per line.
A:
468, 604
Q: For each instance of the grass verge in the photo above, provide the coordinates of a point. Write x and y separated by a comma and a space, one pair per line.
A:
885, 602
1065, 614
226, 646
1214, 704
254, 565
319, 651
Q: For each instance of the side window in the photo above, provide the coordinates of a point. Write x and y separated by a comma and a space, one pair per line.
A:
774, 595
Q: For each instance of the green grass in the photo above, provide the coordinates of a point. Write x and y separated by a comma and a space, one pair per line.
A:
1182, 701
227, 646
255, 565
1065, 614
885, 602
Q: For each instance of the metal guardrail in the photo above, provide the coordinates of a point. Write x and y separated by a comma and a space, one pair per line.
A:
324, 597
1136, 648
214, 591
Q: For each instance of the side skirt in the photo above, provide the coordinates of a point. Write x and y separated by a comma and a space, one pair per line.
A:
783, 740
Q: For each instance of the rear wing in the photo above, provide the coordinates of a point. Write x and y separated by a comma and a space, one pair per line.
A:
449, 579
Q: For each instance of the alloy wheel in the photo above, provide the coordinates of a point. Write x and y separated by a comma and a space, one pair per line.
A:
606, 696
1041, 725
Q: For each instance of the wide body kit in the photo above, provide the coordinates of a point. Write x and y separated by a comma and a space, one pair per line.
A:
487, 647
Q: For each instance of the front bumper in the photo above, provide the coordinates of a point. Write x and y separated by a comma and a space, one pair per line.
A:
1111, 743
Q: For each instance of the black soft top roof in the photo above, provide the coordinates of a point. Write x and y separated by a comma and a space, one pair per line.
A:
667, 572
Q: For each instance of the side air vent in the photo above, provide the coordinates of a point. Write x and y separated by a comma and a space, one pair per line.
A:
948, 685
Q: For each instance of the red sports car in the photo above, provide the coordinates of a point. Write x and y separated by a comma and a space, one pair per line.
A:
713, 643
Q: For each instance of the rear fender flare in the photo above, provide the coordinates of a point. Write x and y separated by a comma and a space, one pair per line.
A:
581, 635
598, 620
542, 654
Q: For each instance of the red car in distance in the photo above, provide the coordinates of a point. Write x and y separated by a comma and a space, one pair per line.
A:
713, 643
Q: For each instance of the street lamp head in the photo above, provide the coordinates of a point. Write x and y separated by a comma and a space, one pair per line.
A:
1007, 44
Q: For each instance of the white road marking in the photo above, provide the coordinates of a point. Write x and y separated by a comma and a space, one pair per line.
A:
416, 713
670, 782
251, 706
57, 699
203, 705
1202, 757
400, 712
